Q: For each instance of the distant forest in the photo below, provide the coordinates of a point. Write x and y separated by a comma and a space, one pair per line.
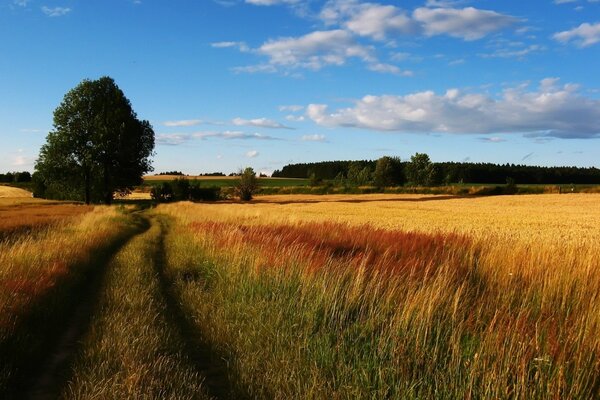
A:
454, 172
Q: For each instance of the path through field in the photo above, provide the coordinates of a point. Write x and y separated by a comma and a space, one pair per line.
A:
129, 337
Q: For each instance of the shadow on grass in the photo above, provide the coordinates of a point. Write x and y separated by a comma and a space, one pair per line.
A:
219, 382
36, 358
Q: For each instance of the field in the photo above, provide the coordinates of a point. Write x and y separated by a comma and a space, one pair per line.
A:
226, 181
308, 297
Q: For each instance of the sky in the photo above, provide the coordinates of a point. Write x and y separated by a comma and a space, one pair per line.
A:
228, 84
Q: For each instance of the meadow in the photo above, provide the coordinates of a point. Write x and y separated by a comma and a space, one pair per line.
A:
308, 297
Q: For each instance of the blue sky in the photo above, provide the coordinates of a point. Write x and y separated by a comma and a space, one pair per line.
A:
262, 83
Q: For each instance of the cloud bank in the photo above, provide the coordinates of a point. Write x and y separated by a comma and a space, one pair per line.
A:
550, 110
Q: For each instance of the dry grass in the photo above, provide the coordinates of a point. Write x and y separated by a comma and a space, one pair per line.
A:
13, 192
493, 298
18, 215
572, 217
39, 277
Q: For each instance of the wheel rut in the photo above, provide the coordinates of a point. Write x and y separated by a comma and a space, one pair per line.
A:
51, 374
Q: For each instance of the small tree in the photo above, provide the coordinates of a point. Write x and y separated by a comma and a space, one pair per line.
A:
388, 172
247, 185
418, 169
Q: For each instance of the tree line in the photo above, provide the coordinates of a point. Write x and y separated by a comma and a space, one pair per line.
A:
420, 170
15, 177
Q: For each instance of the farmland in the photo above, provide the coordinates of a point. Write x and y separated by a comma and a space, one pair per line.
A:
300, 296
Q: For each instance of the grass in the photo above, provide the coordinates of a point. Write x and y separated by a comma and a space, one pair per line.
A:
312, 297
133, 350
27, 215
488, 298
41, 277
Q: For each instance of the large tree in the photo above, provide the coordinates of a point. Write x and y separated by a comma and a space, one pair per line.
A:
98, 145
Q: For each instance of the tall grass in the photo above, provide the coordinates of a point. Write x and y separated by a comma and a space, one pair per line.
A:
40, 279
133, 349
343, 311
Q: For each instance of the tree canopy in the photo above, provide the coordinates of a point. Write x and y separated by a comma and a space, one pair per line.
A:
98, 145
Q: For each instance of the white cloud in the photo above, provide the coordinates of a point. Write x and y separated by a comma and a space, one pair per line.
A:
252, 154
232, 135
171, 139
313, 138
377, 21
512, 52
295, 118
252, 69
468, 23
259, 123
55, 11
493, 139
584, 35
183, 123
315, 50
550, 110
21, 3
223, 45
389, 69
291, 108
271, 2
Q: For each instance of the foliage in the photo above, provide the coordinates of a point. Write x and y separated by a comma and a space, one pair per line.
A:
388, 172
182, 189
458, 172
247, 184
98, 145
418, 169
15, 177
170, 173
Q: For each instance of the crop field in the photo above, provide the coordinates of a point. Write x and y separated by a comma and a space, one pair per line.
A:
306, 297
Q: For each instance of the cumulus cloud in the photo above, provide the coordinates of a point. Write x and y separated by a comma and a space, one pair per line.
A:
55, 11
367, 19
550, 110
583, 36
467, 23
183, 123
315, 50
378, 21
259, 123
252, 154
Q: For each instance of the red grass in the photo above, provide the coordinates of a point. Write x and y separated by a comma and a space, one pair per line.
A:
378, 250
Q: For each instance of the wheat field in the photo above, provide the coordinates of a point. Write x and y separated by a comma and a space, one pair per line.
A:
397, 296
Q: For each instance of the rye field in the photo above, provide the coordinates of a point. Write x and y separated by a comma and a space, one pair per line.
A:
303, 297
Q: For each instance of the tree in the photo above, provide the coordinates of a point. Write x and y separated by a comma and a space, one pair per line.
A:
388, 172
98, 145
247, 185
418, 169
